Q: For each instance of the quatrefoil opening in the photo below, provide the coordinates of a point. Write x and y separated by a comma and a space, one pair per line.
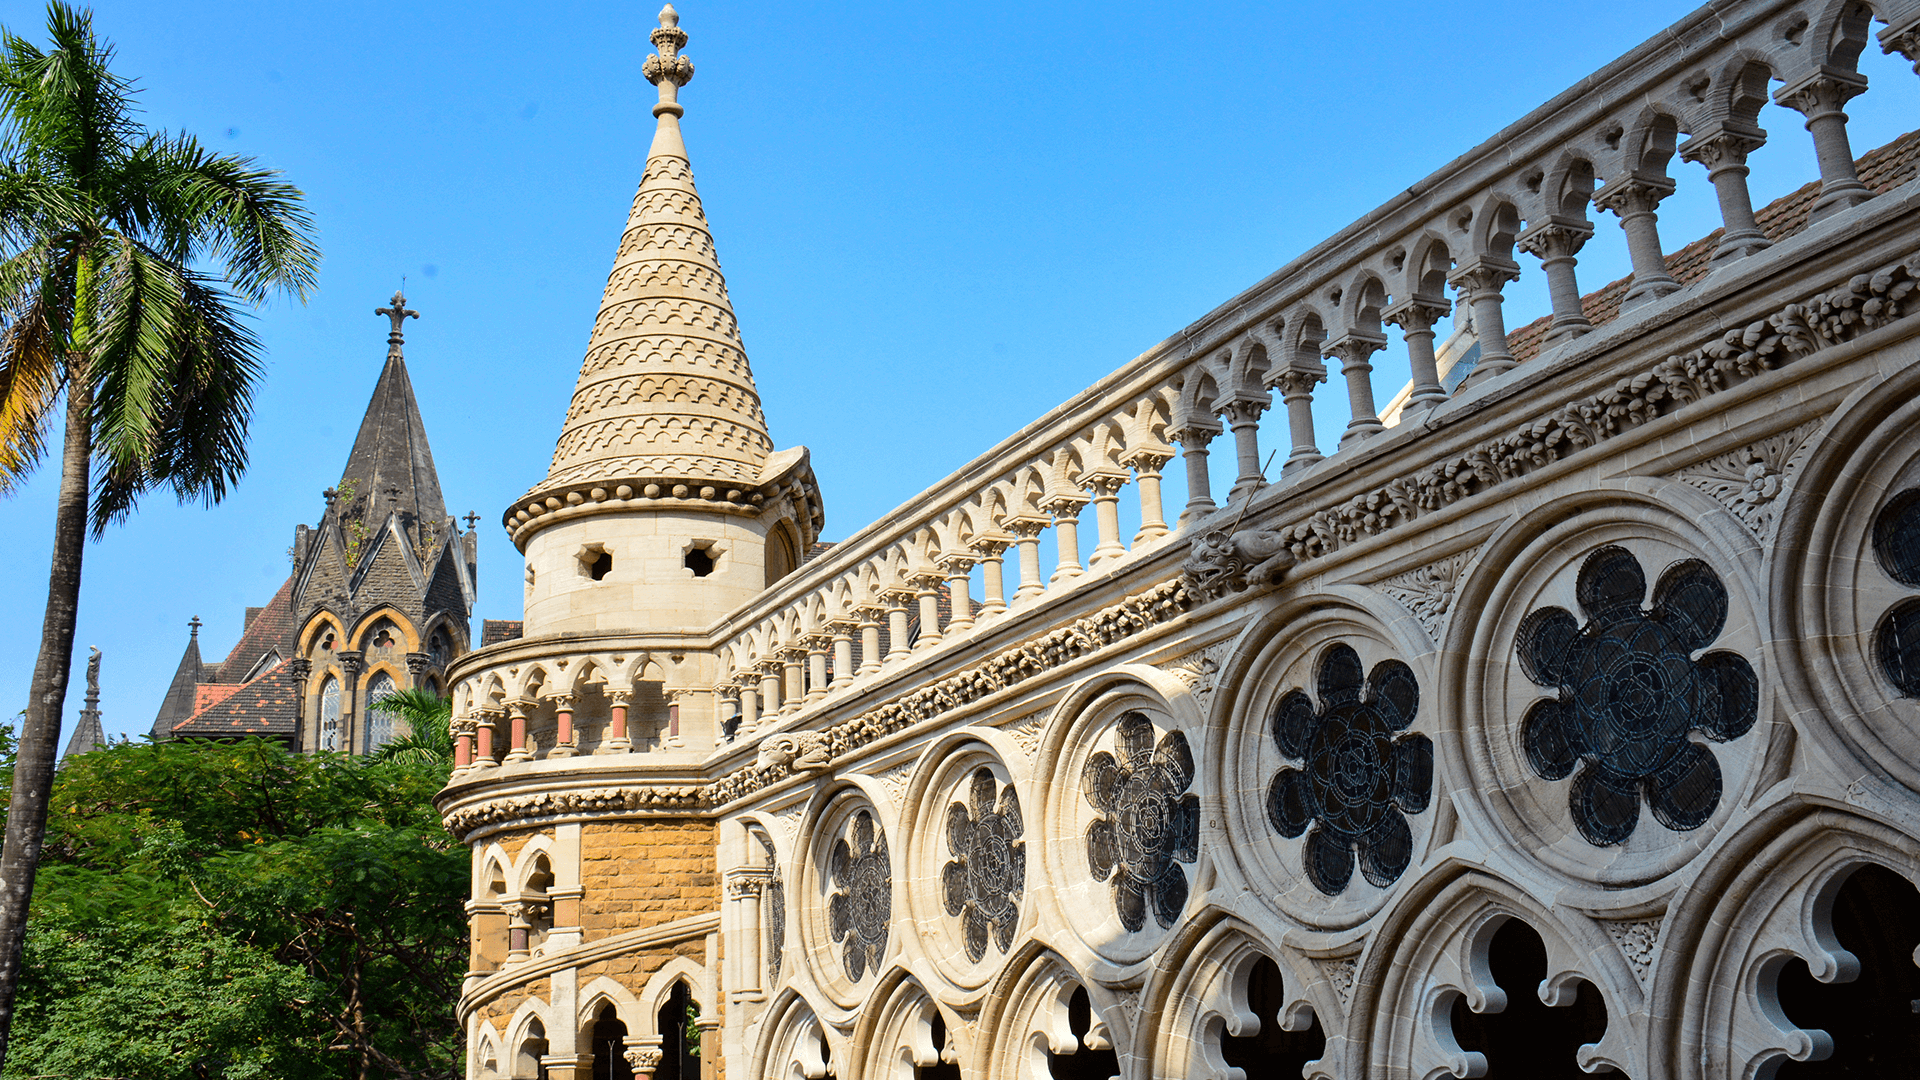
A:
1631, 694
1359, 776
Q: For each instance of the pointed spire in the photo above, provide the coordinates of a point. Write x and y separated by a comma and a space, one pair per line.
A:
665, 395
178, 704
391, 466
88, 734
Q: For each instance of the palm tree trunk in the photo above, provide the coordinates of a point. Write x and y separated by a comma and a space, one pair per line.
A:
40, 731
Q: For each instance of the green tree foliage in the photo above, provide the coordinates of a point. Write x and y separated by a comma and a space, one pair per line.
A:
234, 910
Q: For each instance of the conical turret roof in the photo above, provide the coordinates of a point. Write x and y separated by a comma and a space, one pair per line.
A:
665, 393
391, 467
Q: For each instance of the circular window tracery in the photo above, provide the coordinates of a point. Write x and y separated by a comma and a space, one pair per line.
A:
1896, 546
1631, 693
860, 909
1148, 825
983, 881
1359, 776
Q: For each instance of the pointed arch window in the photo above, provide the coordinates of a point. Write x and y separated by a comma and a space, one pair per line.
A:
379, 721
330, 714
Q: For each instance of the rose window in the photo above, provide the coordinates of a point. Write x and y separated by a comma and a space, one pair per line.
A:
1631, 693
1148, 826
1361, 774
989, 867
861, 907
1896, 544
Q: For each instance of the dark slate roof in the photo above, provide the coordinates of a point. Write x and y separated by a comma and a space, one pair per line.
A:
87, 735
271, 629
264, 706
178, 704
391, 451
1882, 170
495, 631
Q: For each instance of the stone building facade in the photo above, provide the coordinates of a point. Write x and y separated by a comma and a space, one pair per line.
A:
379, 599
1569, 723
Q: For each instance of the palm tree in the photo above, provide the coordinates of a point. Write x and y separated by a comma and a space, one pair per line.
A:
124, 255
429, 736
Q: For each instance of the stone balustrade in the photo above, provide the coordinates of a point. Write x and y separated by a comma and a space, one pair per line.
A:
1609, 144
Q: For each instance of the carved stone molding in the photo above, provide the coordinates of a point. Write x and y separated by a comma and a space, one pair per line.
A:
894, 782
588, 803
1026, 735
1340, 975
1751, 481
1428, 591
1639, 941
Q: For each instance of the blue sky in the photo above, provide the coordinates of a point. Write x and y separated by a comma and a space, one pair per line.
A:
937, 222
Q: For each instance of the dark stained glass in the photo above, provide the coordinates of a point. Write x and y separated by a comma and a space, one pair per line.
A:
861, 907
989, 867
1149, 825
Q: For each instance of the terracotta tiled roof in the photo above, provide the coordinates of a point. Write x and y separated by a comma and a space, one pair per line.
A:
495, 631
264, 706
272, 628
1882, 170
207, 694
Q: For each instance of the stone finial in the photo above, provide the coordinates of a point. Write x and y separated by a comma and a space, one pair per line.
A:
399, 313
668, 70
193, 627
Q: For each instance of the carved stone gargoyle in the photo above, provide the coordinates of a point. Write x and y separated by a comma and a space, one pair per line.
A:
1222, 563
804, 751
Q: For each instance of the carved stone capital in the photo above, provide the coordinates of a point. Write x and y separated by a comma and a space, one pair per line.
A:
643, 1059
1907, 44
418, 663
1195, 434
1242, 411
870, 614
1024, 527
1354, 347
1105, 483
1722, 148
523, 912
563, 701
844, 627
1483, 277
353, 662
1147, 460
817, 641
1063, 507
1633, 194
466, 726
1825, 93
1416, 314
990, 545
1555, 238
957, 565
620, 695
299, 671
1296, 381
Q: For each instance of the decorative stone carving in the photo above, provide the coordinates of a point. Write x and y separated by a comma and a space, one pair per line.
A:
1638, 942
1749, 481
1867, 302
1249, 559
800, 751
861, 907
1109, 625
587, 803
644, 1059
1896, 547
1149, 823
1026, 735
1340, 975
894, 782
1631, 693
988, 872
1427, 591
1200, 670
1360, 775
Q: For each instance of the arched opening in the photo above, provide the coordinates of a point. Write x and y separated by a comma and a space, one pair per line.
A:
526, 1058
782, 552
679, 1036
1529, 1038
1086, 1062
945, 1070
1876, 917
330, 714
608, 1039
379, 721
1273, 1050
540, 920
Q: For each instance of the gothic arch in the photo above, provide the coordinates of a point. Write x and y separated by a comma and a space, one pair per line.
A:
894, 1032
793, 1043
1205, 996
604, 991
653, 997
371, 619
1024, 1015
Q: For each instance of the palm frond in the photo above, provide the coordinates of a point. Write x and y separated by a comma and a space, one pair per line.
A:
246, 217
429, 720
175, 370
34, 309
65, 108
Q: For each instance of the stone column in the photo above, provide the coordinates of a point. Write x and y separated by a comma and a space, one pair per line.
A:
299, 671
1295, 383
959, 572
816, 645
1146, 464
1415, 318
567, 1066
677, 700
842, 631
897, 597
1026, 538
769, 687
1193, 440
1634, 199
352, 664
1355, 348
1066, 535
517, 712
520, 916
617, 742
1480, 282
1724, 154
744, 889
749, 706
927, 593
1555, 242
417, 665
1820, 99
793, 678
992, 547
563, 743
1243, 418
1104, 488
869, 616
483, 754
463, 729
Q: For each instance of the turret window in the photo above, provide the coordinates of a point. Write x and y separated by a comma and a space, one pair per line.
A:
596, 561
702, 558
379, 721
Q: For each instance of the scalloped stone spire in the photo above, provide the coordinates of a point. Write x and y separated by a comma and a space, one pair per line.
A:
665, 395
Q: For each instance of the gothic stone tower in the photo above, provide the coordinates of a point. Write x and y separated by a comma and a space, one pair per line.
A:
665, 508
378, 601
